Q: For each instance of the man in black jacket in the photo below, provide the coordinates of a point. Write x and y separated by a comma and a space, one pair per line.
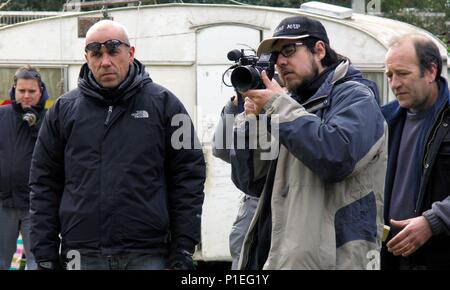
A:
107, 173
19, 125
417, 193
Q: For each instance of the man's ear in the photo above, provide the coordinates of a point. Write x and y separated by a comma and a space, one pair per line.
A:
131, 52
431, 73
320, 50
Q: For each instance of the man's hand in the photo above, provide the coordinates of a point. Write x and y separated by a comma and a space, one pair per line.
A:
256, 99
181, 260
415, 233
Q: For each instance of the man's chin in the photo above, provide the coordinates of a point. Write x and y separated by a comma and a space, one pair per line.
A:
109, 85
292, 86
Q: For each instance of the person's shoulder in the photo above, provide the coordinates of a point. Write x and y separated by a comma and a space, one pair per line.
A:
351, 89
157, 89
390, 109
65, 102
68, 97
161, 95
5, 109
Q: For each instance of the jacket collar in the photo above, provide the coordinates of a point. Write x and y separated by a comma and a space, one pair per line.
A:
135, 80
320, 99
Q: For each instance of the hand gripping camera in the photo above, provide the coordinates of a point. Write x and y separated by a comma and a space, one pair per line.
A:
247, 70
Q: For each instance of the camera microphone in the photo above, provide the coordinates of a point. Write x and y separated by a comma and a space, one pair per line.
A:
234, 55
30, 118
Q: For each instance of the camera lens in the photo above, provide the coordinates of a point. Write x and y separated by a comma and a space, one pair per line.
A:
245, 78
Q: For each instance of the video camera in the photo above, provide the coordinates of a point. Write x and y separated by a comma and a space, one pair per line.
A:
247, 70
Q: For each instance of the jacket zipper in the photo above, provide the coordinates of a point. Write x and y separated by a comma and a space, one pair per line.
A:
317, 99
108, 116
427, 150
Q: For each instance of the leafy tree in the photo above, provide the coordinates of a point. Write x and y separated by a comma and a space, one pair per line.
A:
431, 15
35, 5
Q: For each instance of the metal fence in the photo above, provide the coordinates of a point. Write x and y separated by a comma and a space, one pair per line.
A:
13, 17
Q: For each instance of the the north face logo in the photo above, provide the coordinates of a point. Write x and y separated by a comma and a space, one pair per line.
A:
140, 114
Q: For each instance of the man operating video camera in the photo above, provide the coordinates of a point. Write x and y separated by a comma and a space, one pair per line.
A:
321, 199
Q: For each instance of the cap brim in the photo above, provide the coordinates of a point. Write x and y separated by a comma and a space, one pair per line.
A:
266, 45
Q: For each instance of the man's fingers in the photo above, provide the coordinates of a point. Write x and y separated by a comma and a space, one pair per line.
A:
400, 240
412, 248
397, 239
398, 246
406, 250
399, 224
400, 237
400, 249
249, 106
272, 85
265, 79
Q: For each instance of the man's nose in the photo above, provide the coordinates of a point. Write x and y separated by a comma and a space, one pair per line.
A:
106, 59
281, 60
395, 82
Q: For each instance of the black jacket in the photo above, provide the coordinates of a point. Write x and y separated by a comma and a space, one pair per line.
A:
105, 175
17, 140
433, 180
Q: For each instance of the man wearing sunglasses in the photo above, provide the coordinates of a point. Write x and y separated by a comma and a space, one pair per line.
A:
321, 199
105, 175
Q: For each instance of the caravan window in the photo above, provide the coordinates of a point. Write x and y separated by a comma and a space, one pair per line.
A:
379, 78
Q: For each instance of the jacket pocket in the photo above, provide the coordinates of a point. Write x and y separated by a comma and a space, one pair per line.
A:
357, 221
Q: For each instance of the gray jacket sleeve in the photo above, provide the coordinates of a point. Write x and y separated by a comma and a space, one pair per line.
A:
439, 217
223, 136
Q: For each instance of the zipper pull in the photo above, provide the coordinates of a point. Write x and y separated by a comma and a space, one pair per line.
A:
110, 108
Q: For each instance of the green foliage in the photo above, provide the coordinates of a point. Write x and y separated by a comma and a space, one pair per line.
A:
35, 5
431, 15
410, 11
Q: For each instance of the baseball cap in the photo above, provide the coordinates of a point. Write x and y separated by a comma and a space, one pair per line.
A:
295, 27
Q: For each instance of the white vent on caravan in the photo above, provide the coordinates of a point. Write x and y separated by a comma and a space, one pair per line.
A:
327, 9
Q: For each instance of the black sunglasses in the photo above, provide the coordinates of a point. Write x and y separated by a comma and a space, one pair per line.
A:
288, 49
111, 46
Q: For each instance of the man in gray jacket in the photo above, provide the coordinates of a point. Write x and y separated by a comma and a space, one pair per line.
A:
321, 204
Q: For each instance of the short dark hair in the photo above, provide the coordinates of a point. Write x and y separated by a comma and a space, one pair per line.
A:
427, 53
331, 56
27, 72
